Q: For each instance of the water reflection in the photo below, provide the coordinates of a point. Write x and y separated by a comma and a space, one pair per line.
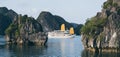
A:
54, 48
28, 51
22, 50
86, 53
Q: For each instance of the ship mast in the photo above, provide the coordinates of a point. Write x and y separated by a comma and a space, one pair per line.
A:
63, 27
71, 31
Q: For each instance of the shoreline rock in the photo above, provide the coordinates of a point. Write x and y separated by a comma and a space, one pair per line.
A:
87, 53
34, 39
107, 50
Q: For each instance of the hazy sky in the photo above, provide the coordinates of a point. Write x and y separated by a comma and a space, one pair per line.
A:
71, 10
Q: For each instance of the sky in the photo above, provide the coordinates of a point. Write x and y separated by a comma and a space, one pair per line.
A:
75, 11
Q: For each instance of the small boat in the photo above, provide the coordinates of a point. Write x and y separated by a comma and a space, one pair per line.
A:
62, 33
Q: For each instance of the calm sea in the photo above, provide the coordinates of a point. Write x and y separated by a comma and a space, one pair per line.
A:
71, 47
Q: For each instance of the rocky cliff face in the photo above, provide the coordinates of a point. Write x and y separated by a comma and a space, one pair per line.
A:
103, 30
6, 17
25, 29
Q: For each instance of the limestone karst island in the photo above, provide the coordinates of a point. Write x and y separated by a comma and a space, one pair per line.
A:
102, 31
56, 29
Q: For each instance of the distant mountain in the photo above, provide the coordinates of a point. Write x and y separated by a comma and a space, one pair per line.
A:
74, 24
77, 29
51, 22
6, 17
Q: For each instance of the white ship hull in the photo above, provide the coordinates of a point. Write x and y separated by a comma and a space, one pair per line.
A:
59, 34
56, 36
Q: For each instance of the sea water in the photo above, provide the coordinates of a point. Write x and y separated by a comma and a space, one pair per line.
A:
70, 47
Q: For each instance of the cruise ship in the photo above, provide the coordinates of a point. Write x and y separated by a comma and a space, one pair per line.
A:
62, 33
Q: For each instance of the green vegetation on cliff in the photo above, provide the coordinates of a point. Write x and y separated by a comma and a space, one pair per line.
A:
93, 26
109, 4
11, 29
22, 25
